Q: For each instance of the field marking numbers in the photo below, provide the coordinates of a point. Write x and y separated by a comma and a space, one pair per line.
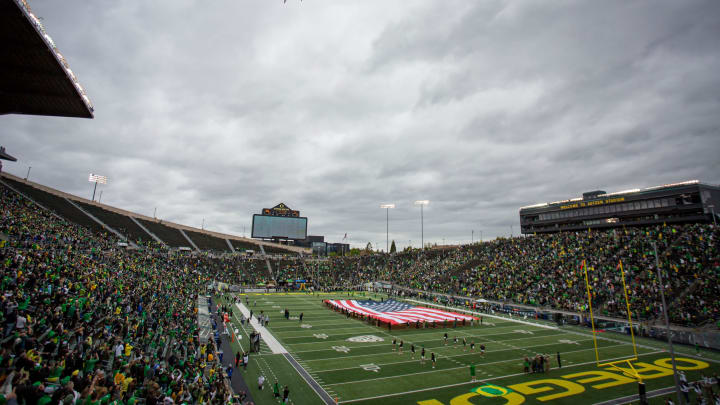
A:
371, 367
321, 336
343, 349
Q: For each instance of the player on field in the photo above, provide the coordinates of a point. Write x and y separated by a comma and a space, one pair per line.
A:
422, 356
482, 350
445, 338
472, 345
412, 351
472, 372
455, 341
464, 344
394, 343
432, 357
400, 347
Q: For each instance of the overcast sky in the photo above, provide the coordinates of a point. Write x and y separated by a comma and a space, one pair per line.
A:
217, 109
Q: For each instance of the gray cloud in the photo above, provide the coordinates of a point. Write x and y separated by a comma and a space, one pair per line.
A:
216, 111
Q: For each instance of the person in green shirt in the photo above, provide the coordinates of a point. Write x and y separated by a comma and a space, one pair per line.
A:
276, 390
472, 372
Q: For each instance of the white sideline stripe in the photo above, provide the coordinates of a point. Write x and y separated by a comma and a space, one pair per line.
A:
269, 339
487, 315
470, 382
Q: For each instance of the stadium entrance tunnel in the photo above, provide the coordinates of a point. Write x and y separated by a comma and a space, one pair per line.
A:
568, 385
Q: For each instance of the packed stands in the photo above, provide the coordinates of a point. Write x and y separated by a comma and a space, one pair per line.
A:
74, 332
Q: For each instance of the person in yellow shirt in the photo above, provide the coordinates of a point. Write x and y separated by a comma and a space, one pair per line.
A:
210, 357
128, 349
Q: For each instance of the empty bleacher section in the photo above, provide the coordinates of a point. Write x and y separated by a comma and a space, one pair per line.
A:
58, 204
272, 250
170, 236
241, 246
120, 223
207, 242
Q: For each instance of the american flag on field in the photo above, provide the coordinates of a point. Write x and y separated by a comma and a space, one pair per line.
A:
396, 312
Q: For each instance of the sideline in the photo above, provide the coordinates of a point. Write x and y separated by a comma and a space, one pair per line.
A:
650, 394
269, 339
277, 348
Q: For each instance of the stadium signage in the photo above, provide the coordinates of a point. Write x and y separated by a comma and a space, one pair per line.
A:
280, 210
573, 384
592, 203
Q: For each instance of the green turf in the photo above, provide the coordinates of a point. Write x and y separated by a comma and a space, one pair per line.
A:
372, 373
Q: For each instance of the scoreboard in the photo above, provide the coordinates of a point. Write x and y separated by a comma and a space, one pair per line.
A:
279, 222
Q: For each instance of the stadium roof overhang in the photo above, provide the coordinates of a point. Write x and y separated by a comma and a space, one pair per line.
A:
4, 155
35, 78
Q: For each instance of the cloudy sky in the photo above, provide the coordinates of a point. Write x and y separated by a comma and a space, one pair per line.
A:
217, 109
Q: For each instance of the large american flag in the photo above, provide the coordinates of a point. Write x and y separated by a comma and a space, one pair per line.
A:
396, 312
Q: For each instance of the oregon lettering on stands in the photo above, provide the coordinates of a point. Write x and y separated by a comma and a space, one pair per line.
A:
592, 203
572, 384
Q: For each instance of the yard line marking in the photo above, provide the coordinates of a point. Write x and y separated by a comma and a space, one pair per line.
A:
479, 337
456, 368
467, 382
451, 357
435, 348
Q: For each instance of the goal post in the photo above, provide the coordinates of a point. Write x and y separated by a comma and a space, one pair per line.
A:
630, 370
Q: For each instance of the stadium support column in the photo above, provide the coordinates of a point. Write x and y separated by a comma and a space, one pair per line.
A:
667, 324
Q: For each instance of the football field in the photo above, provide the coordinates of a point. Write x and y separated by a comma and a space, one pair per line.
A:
355, 362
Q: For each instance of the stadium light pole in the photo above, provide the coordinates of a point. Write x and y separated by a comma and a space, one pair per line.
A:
96, 178
422, 203
28, 173
667, 324
387, 225
712, 209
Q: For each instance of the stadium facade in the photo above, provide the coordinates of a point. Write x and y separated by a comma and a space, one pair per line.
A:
685, 202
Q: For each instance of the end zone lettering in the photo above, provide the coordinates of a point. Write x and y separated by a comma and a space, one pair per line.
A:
572, 384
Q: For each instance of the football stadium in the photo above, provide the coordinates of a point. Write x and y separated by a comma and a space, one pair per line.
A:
609, 298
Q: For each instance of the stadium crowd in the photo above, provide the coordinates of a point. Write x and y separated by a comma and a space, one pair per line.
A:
85, 322
84, 319
547, 270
